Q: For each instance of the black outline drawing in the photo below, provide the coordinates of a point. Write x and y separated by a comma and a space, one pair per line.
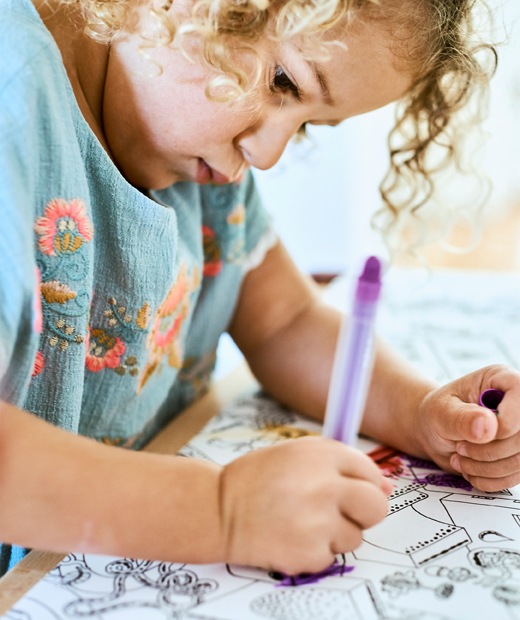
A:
444, 552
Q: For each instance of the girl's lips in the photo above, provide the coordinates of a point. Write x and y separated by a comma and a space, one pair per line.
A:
206, 174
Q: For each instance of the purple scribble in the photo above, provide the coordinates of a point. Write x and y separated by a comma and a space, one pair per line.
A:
446, 480
437, 477
415, 461
334, 569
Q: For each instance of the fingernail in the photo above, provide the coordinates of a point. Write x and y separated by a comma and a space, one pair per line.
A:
478, 427
455, 463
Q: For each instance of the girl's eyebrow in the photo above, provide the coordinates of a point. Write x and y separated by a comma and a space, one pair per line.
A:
322, 81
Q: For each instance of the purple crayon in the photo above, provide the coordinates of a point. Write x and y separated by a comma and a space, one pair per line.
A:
353, 359
491, 399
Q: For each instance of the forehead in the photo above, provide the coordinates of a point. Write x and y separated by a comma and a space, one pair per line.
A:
361, 65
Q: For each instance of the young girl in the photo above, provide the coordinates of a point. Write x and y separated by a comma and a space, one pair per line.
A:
132, 237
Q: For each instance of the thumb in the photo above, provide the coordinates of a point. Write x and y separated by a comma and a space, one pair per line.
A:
472, 423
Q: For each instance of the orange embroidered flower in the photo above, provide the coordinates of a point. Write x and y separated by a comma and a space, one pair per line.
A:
171, 313
64, 227
212, 258
104, 350
237, 216
164, 339
55, 292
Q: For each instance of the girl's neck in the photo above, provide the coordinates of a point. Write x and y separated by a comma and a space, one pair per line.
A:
85, 60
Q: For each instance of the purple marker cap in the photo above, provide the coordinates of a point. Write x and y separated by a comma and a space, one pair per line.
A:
369, 282
491, 398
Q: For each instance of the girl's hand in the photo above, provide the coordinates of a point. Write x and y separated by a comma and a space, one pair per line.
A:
293, 506
461, 436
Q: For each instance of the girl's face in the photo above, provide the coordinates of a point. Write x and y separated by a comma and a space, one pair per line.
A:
161, 128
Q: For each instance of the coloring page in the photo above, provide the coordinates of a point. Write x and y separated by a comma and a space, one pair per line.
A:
445, 551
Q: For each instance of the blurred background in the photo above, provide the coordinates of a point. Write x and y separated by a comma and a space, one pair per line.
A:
324, 190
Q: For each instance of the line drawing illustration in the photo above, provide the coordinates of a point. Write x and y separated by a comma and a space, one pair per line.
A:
445, 551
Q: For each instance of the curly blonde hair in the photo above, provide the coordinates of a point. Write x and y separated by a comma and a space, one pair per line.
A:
435, 40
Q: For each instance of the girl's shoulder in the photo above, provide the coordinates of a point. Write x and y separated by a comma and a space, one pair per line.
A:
26, 46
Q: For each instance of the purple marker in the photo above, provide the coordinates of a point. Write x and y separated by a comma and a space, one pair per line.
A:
491, 399
353, 360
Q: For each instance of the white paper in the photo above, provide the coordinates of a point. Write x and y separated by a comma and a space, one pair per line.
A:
444, 551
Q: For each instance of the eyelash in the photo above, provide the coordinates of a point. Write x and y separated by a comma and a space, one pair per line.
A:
282, 83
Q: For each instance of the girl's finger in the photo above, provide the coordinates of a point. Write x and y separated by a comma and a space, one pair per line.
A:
468, 422
493, 485
492, 451
502, 468
362, 503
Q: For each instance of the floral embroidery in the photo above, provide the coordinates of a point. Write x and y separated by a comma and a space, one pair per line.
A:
211, 247
55, 292
103, 351
106, 349
118, 314
236, 220
39, 363
64, 227
119, 442
197, 372
164, 340
63, 231
230, 249
237, 217
63, 334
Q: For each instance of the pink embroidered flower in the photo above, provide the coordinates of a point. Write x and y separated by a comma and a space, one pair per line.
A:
64, 227
39, 363
171, 313
164, 339
104, 350
212, 258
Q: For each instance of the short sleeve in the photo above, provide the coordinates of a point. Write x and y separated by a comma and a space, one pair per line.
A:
236, 226
260, 232
20, 138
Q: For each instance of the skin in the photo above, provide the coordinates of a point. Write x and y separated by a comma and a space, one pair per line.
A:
335, 491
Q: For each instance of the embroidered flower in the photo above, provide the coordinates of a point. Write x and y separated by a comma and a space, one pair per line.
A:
211, 247
171, 313
104, 350
164, 339
64, 227
39, 363
55, 292
237, 216
235, 235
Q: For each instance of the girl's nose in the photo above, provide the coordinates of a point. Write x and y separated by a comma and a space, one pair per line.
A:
264, 143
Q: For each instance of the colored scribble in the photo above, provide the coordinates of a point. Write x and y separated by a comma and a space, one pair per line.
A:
336, 569
395, 464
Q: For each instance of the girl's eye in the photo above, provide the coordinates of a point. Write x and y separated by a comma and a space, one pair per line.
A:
282, 83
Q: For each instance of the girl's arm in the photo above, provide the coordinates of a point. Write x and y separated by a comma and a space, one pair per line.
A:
291, 347
62, 492
289, 336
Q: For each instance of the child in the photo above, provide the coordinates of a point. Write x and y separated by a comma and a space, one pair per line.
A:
132, 237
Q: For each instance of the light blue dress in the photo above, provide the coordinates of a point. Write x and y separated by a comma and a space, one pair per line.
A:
111, 303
